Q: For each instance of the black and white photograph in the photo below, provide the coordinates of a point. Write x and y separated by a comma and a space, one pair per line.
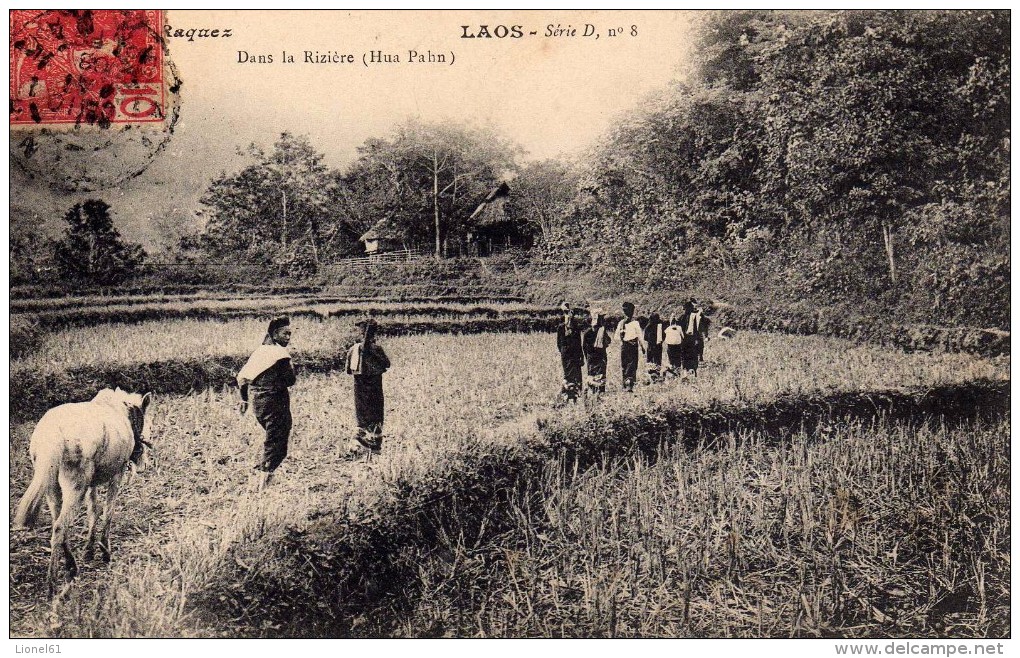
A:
505, 324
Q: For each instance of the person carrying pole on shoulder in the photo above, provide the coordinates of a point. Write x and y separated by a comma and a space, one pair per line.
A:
568, 342
595, 340
367, 361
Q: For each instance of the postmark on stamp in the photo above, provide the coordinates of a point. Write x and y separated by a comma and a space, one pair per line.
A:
94, 95
91, 67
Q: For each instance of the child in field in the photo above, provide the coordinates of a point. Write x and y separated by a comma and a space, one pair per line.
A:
653, 340
704, 327
689, 346
672, 338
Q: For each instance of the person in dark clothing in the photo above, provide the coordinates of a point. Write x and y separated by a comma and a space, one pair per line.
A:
265, 378
689, 342
367, 362
653, 339
704, 326
631, 341
568, 342
594, 342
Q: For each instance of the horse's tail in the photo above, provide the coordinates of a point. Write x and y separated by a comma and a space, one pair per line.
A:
31, 502
44, 478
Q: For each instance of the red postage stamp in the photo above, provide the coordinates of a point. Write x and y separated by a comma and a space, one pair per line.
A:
96, 67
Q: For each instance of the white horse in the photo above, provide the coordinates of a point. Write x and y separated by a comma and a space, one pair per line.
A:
75, 449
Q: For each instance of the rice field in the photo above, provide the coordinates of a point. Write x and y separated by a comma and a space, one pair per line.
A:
190, 540
182, 339
130, 310
304, 294
93, 301
189, 339
843, 363
436, 399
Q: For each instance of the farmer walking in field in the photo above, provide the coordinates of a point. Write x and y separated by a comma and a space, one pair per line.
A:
266, 377
631, 342
704, 325
367, 362
568, 342
689, 322
594, 342
653, 340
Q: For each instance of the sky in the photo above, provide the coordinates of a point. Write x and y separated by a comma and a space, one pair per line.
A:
554, 95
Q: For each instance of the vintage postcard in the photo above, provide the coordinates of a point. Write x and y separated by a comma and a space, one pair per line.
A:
511, 324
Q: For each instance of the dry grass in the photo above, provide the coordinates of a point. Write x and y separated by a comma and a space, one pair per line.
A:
887, 531
196, 338
184, 516
189, 519
187, 339
92, 301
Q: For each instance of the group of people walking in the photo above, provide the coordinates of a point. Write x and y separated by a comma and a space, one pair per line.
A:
269, 373
584, 336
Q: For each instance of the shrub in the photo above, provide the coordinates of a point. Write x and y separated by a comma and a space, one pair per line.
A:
26, 335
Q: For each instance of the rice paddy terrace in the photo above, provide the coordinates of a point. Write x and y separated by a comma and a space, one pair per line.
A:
800, 486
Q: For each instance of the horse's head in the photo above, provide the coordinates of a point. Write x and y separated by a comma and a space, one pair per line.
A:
135, 405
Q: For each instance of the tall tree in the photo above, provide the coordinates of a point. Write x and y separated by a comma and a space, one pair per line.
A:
869, 149
430, 176
91, 250
277, 204
540, 195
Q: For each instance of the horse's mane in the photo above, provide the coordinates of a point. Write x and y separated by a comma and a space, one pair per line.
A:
108, 396
113, 397
133, 404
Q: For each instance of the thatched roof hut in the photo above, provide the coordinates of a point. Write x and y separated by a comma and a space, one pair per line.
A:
492, 210
494, 228
384, 236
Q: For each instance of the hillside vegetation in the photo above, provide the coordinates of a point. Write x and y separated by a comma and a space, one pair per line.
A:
853, 160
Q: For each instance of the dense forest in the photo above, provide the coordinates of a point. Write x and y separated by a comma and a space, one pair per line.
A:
856, 161
853, 158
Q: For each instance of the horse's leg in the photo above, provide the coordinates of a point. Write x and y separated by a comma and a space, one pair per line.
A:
53, 500
104, 533
91, 501
72, 493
